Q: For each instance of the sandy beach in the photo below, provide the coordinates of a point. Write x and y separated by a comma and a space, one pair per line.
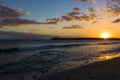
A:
103, 70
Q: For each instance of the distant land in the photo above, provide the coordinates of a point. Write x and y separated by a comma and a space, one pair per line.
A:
59, 38
7, 35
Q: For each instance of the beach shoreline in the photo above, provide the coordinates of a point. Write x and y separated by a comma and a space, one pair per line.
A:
101, 70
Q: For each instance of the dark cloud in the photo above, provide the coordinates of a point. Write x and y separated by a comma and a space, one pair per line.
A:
90, 9
113, 7
76, 9
86, 17
16, 22
8, 12
53, 21
114, 10
67, 18
116, 1
116, 21
75, 15
11, 17
82, 18
72, 14
90, 1
74, 27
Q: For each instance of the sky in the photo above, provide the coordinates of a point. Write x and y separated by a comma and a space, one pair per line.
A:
64, 18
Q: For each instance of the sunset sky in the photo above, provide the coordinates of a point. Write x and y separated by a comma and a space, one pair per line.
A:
66, 18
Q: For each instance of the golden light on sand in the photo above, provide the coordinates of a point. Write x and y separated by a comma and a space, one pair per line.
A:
105, 35
107, 57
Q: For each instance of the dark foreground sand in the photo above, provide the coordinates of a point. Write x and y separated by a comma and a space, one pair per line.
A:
104, 70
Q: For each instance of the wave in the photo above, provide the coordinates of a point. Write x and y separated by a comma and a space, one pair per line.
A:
52, 46
15, 49
115, 50
108, 43
9, 49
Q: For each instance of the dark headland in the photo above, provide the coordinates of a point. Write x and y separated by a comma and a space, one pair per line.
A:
60, 38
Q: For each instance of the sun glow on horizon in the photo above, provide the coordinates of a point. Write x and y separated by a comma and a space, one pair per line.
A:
105, 35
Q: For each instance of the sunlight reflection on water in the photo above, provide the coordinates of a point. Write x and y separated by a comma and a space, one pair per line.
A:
107, 57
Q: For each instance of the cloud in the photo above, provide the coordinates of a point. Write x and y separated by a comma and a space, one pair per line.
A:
113, 7
72, 14
90, 9
94, 22
81, 18
90, 1
16, 22
115, 0
114, 10
68, 17
11, 17
8, 12
76, 9
75, 15
53, 21
116, 21
74, 27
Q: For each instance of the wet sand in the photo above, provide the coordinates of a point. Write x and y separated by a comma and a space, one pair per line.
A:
103, 70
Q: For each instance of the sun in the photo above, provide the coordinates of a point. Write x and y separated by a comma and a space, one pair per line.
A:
105, 35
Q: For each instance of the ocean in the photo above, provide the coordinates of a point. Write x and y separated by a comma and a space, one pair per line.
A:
22, 59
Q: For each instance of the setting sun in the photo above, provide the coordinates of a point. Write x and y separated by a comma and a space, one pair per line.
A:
105, 35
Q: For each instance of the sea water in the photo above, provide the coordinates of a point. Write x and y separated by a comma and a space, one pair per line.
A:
46, 56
